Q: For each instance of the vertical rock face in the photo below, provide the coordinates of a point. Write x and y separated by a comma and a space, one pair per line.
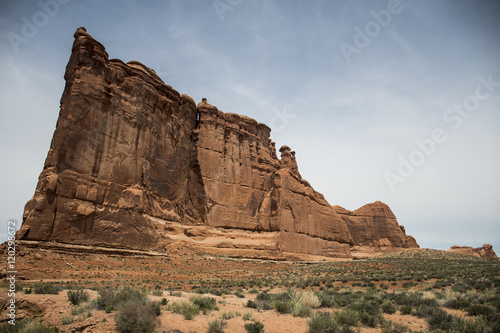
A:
247, 187
122, 151
134, 164
237, 167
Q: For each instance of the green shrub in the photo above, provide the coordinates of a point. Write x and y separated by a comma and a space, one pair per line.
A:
187, 309
457, 303
216, 292
479, 325
461, 287
405, 309
251, 304
322, 322
136, 318
301, 310
75, 311
264, 296
155, 306
157, 292
205, 304
391, 327
347, 317
480, 309
46, 288
327, 300
217, 326
78, 296
111, 299
260, 304
227, 315
247, 316
255, 327
408, 284
388, 307
283, 307
439, 319
28, 291
66, 320
369, 312
425, 311
164, 301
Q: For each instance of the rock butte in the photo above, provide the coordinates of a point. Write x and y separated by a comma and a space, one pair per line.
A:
486, 251
135, 165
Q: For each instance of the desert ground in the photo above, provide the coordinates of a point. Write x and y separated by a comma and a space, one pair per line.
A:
415, 290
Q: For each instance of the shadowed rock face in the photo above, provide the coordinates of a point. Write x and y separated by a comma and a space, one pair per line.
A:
134, 164
122, 151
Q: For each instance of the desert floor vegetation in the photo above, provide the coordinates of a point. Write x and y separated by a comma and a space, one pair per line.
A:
410, 291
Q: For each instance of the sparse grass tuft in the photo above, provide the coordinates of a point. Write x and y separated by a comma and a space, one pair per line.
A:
157, 292
78, 296
66, 320
391, 327
185, 308
205, 304
217, 326
255, 327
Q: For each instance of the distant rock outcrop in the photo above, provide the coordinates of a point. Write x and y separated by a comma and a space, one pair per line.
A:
134, 164
486, 251
374, 229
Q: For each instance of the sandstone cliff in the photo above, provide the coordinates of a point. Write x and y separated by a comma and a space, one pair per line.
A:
486, 251
374, 229
134, 164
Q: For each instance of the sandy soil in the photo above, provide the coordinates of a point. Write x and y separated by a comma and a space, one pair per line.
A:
179, 269
55, 307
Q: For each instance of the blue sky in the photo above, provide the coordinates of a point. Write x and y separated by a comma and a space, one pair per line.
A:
397, 101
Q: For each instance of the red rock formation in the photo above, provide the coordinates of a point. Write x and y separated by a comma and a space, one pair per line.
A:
134, 164
122, 152
486, 251
248, 188
374, 229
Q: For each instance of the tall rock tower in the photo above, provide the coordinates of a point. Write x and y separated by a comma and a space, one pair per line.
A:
134, 164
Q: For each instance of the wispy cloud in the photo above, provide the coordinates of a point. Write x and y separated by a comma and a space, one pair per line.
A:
352, 121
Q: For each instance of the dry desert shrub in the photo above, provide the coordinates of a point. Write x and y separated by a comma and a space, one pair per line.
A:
136, 318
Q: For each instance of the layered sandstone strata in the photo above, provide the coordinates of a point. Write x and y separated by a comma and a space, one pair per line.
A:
134, 164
